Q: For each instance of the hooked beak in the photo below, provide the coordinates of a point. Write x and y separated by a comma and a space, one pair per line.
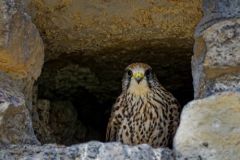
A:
138, 77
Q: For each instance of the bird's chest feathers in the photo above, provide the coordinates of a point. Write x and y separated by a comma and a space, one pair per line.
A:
139, 108
140, 116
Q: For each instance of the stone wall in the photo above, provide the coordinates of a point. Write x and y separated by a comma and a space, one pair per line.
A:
209, 127
71, 26
88, 45
88, 151
21, 60
95, 39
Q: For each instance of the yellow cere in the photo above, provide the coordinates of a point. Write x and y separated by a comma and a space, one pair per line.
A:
138, 75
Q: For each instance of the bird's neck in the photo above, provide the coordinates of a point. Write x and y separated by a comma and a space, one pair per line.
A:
140, 90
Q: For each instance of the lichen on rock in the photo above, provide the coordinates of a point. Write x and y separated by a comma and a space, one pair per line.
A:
217, 55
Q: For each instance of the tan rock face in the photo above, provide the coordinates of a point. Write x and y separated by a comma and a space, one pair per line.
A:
21, 60
71, 26
21, 47
210, 128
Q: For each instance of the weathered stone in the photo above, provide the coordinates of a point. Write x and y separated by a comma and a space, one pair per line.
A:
71, 26
21, 60
217, 58
15, 121
216, 11
21, 47
210, 128
86, 151
229, 82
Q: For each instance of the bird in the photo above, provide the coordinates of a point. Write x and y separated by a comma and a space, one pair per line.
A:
145, 112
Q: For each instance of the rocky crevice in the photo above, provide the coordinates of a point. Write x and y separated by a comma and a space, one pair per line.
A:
92, 83
88, 45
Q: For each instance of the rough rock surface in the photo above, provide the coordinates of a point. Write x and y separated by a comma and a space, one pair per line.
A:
216, 11
88, 44
15, 120
21, 51
21, 48
21, 60
216, 60
210, 129
87, 151
71, 26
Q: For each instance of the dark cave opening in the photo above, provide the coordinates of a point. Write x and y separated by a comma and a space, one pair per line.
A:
90, 83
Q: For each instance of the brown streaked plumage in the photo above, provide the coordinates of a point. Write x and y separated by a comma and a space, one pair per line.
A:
145, 112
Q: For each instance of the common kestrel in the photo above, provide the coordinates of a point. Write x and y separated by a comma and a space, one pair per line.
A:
145, 112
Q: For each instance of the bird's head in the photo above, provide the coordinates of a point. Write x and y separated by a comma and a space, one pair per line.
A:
138, 79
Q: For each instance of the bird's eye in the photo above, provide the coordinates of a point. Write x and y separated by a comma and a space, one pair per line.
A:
129, 73
148, 72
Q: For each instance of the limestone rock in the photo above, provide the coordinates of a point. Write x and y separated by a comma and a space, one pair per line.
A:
21, 47
210, 128
229, 82
15, 121
86, 151
21, 60
216, 11
77, 25
216, 60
